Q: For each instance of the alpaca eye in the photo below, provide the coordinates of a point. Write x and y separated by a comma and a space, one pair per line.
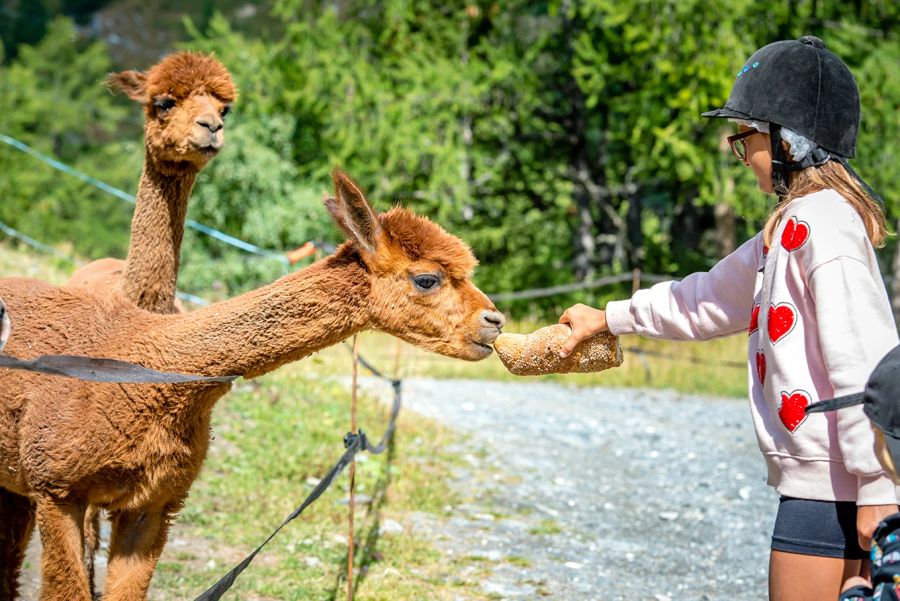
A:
426, 282
225, 110
164, 104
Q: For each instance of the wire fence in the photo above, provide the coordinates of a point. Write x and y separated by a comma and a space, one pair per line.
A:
129, 198
355, 441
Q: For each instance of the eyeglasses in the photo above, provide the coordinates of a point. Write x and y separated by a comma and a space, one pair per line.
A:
738, 145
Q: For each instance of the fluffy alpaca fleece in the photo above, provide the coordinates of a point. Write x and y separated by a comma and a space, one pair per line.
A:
185, 98
135, 449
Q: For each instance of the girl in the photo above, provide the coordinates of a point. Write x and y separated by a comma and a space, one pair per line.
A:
819, 318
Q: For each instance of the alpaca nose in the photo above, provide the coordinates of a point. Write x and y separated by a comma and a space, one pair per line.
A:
493, 319
210, 121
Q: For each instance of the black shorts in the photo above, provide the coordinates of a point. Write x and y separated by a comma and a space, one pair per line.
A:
822, 528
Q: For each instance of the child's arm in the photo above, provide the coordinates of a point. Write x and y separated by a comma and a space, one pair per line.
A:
856, 329
701, 306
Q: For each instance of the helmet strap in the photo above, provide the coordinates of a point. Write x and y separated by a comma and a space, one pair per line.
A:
782, 166
779, 162
819, 156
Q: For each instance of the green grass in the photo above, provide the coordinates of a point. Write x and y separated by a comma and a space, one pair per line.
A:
546, 527
273, 437
16, 262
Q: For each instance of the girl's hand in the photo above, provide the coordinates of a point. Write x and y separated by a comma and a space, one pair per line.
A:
867, 519
585, 322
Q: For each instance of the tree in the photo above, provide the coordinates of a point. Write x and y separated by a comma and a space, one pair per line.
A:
53, 100
561, 138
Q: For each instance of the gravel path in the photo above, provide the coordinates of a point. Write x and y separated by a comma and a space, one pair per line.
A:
602, 494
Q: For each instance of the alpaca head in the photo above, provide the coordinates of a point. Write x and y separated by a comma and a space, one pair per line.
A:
185, 97
420, 283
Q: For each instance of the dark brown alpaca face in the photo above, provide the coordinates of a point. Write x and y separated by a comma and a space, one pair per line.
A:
420, 278
186, 98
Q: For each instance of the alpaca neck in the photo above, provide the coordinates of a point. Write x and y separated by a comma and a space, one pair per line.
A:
288, 320
157, 228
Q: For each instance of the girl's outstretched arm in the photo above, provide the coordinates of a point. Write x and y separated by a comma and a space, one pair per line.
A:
701, 306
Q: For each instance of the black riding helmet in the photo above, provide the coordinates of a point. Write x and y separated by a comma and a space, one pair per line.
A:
800, 85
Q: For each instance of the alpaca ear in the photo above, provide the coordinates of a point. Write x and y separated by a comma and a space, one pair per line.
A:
353, 213
132, 83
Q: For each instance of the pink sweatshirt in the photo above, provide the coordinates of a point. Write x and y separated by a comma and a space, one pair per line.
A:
819, 321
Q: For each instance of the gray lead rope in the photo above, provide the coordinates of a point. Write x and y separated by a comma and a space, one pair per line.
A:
354, 443
93, 369
836, 403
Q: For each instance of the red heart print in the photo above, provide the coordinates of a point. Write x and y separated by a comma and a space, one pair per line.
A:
781, 321
795, 233
761, 366
792, 409
765, 251
754, 319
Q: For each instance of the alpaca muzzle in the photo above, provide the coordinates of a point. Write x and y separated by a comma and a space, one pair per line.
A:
491, 325
207, 142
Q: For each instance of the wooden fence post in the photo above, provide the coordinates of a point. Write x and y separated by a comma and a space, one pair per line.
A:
352, 503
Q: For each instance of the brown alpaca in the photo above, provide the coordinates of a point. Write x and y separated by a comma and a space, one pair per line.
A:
135, 449
185, 97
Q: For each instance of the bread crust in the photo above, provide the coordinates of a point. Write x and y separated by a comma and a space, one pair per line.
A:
537, 353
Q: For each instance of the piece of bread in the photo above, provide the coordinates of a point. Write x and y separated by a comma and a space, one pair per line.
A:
538, 353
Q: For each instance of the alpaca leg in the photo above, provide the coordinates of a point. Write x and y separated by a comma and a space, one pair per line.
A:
135, 545
16, 526
62, 562
91, 542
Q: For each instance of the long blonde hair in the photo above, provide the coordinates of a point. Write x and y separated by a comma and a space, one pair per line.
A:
831, 175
